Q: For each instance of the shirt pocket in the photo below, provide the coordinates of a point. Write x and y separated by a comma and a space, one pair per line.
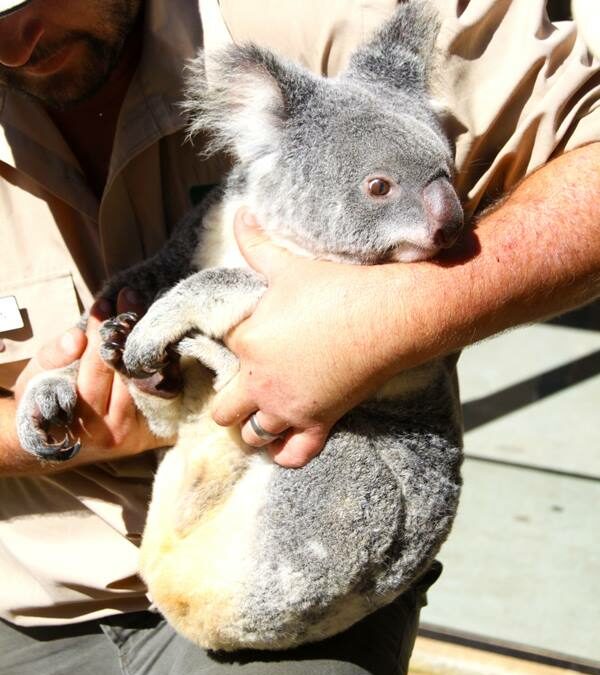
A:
48, 306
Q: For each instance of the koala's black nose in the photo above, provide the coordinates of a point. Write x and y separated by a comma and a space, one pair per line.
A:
443, 211
447, 235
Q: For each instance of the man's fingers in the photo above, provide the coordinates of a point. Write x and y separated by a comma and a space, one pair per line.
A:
256, 247
130, 300
95, 378
298, 447
230, 405
121, 404
260, 429
63, 350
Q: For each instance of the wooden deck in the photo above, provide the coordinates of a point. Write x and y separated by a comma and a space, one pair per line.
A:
432, 657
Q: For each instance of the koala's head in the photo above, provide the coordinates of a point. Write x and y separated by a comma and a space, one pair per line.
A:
352, 168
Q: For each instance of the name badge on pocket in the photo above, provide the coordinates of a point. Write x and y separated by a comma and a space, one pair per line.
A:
10, 315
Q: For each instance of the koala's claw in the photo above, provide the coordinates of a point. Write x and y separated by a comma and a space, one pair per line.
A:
114, 334
48, 402
166, 383
128, 319
120, 325
161, 376
54, 452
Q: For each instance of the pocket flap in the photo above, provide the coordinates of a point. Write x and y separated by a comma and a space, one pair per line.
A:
48, 307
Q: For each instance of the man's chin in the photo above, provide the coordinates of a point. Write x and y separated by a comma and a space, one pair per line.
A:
58, 93
79, 81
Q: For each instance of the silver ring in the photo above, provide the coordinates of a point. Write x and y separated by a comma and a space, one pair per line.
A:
259, 431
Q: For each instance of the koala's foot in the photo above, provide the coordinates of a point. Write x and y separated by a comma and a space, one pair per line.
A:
158, 377
212, 354
48, 404
114, 333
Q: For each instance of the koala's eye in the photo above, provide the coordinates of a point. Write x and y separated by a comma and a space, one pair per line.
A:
379, 187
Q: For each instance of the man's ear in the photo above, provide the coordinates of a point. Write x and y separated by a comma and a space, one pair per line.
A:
243, 97
400, 55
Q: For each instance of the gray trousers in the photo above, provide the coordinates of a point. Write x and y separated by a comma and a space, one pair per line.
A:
143, 643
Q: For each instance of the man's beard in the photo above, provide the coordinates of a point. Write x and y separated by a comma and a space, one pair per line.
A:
83, 78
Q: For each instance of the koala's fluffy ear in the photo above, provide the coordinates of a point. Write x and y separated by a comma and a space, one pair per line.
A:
242, 97
400, 55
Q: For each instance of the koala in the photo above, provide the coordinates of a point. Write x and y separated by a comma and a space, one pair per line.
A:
237, 551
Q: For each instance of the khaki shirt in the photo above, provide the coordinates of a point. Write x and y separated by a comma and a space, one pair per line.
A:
520, 91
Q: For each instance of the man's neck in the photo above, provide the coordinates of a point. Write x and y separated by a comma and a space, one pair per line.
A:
89, 127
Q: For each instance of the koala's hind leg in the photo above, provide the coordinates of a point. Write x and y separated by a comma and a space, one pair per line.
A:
47, 409
212, 354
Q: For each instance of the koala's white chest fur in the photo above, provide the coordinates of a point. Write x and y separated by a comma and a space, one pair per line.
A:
218, 247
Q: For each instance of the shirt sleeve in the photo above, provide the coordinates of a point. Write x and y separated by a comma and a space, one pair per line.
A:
519, 90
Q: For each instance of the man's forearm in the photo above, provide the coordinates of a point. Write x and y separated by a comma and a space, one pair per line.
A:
14, 461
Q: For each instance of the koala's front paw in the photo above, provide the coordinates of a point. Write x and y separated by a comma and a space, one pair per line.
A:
49, 401
157, 372
114, 333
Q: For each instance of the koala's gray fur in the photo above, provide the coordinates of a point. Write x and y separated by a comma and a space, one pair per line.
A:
239, 552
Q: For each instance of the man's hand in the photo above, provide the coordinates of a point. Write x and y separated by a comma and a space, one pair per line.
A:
107, 421
293, 369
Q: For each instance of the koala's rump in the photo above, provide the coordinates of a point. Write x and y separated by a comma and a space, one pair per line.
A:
276, 557
350, 531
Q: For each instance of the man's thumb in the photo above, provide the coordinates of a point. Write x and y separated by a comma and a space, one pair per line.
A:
258, 250
63, 350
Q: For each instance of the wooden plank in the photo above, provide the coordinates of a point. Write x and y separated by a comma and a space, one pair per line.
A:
433, 657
